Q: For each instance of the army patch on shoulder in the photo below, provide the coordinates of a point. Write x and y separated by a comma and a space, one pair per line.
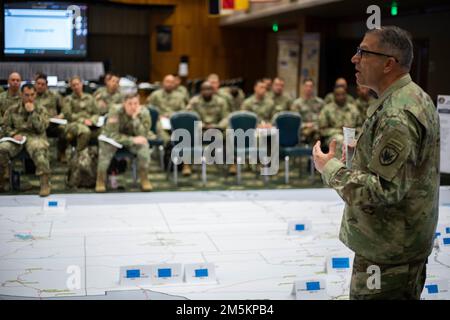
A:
388, 155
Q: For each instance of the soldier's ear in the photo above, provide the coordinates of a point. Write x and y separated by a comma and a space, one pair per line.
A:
389, 64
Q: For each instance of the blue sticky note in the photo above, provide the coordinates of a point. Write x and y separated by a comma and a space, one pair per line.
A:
437, 234
432, 288
133, 273
53, 203
313, 286
446, 241
164, 273
447, 230
340, 263
299, 227
200, 273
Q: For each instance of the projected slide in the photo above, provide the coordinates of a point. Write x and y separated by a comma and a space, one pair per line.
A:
46, 29
38, 29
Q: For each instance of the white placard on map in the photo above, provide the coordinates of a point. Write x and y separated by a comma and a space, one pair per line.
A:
434, 288
135, 275
299, 227
311, 289
444, 242
200, 273
339, 264
443, 108
54, 205
166, 273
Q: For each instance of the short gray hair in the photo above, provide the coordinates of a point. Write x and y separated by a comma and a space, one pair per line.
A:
398, 43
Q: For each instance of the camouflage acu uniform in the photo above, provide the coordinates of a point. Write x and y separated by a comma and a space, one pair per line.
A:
77, 109
184, 92
263, 108
391, 192
122, 128
213, 112
309, 111
7, 100
18, 120
330, 98
280, 103
105, 99
362, 106
167, 103
331, 120
233, 102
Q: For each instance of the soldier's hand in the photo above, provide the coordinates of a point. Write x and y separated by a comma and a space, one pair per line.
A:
29, 106
18, 137
88, 122
140, 140
320, 158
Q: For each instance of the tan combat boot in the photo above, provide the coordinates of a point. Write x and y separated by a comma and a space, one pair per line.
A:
2, 180
145, 183
45, 186
100, 184
186, 171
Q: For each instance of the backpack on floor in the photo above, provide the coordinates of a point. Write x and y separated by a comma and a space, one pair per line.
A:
83, 168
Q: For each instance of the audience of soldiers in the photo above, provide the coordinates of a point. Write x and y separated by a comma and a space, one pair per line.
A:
32, 113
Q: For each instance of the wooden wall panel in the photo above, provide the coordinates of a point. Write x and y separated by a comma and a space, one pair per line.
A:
230, 52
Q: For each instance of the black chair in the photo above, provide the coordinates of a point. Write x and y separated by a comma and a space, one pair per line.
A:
289, 124
25, 158
186, 120
158, 143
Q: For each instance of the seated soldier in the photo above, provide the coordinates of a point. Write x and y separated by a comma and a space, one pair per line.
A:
52, 102
336, 115
211, 109
282, 102
81, 112
260, 104
26, 120
109, 95
309, 106
128, 125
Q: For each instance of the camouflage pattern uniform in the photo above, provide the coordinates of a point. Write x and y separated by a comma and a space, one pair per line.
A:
363, 106
6, 101
184, 92
52, 102
76, 110
122, 128
213, 112
281, 102
309, 111
262, 108
233, 103
330, 98
167, 103
331, 120
18, 120
391, 192
105, 99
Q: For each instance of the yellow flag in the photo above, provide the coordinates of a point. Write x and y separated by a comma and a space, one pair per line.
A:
241, 4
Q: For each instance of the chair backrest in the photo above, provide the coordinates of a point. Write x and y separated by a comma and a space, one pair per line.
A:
185, 120
288, 124
243, 120
154, 115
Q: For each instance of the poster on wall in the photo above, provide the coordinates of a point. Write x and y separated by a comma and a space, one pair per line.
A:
288, 55
443, 107
163, 38
310, 58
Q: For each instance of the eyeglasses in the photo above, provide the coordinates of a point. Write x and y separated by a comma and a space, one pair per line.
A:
359, 52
